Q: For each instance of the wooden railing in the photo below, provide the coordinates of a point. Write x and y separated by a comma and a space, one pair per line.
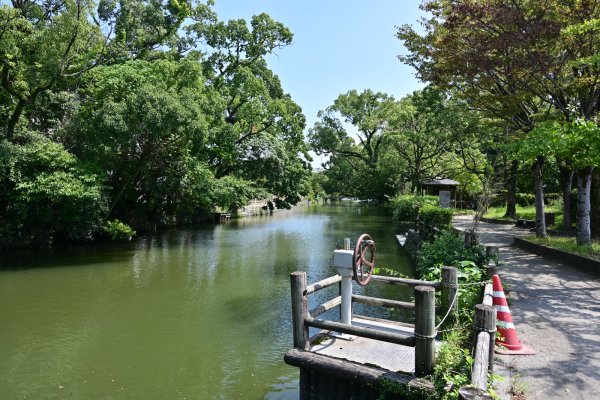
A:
483, 344
423, 338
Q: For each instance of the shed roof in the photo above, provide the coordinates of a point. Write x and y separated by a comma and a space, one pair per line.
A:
441, 182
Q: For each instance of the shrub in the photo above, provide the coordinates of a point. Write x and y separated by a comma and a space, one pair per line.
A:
46, 193
436, 216
118, 230
525, 199
453, 365
552, 197
406, 207
498, 199
522, 199
447, 250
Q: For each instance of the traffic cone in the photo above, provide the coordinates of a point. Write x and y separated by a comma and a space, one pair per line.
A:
507, 342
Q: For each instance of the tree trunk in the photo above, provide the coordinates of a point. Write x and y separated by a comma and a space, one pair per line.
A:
511, 191
14, 119
566, 180
540, 221
584, 183
595, 203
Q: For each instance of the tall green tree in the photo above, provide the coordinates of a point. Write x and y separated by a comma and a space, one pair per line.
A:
513, 59
430, 136
256, 129
158, 121
136, 125
354, 129
47, 44
580, 142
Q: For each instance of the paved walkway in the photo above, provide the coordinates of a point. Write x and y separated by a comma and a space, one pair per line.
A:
556, 311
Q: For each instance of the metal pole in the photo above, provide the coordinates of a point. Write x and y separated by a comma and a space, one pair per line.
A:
342, 261
346, 306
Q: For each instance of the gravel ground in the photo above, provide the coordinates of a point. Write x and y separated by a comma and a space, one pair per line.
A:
556, 311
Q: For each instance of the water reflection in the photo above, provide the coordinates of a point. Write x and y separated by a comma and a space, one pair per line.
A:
202, 312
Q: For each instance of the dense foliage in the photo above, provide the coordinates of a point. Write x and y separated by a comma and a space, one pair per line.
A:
533, 65
145, 113
448, 249
405, 208
379, 146
454, 361
436, 216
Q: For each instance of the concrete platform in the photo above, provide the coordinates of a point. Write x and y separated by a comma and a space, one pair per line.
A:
388, 356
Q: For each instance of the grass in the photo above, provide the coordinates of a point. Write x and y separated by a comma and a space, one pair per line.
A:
568, 244
523, 212
461, 211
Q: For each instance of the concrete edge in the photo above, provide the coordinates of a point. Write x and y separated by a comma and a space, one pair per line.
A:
352, 371
497, 221
582, 263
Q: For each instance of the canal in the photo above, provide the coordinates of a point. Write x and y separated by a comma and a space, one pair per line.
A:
196, 313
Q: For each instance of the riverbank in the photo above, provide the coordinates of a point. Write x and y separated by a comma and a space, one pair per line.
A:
556, 311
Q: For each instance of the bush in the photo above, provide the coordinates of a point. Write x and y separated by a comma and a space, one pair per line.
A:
447, 250
436, 216
118, 230
525, 199
498, 199
46, 193
522, 199
454, 361
552, 197
406, 207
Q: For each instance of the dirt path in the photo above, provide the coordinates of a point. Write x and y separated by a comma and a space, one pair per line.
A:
556, 311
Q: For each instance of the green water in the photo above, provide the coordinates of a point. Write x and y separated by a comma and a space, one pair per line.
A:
198, 313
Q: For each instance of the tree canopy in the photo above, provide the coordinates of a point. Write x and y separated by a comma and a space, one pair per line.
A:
522, 61
159, 111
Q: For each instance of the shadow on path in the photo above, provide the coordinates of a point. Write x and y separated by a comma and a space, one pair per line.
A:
556, 311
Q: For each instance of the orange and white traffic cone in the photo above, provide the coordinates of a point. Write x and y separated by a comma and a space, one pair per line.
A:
508, 342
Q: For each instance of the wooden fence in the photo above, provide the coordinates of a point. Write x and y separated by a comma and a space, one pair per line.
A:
483, 344
423, 338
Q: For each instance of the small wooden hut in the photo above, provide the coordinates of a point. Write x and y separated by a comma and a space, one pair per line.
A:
444, 188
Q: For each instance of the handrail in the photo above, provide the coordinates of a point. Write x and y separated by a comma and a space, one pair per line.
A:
322, 284
375, 301
322, 308
406, 340
424, 334
404, 281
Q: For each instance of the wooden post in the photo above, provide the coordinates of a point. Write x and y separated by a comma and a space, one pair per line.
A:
471, 393
491, 269
481, 360
485, 321
470, 238
449, 288
346, 247
299, 309
424, 330
493, 252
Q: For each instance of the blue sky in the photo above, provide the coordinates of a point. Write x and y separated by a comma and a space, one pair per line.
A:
338, 46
